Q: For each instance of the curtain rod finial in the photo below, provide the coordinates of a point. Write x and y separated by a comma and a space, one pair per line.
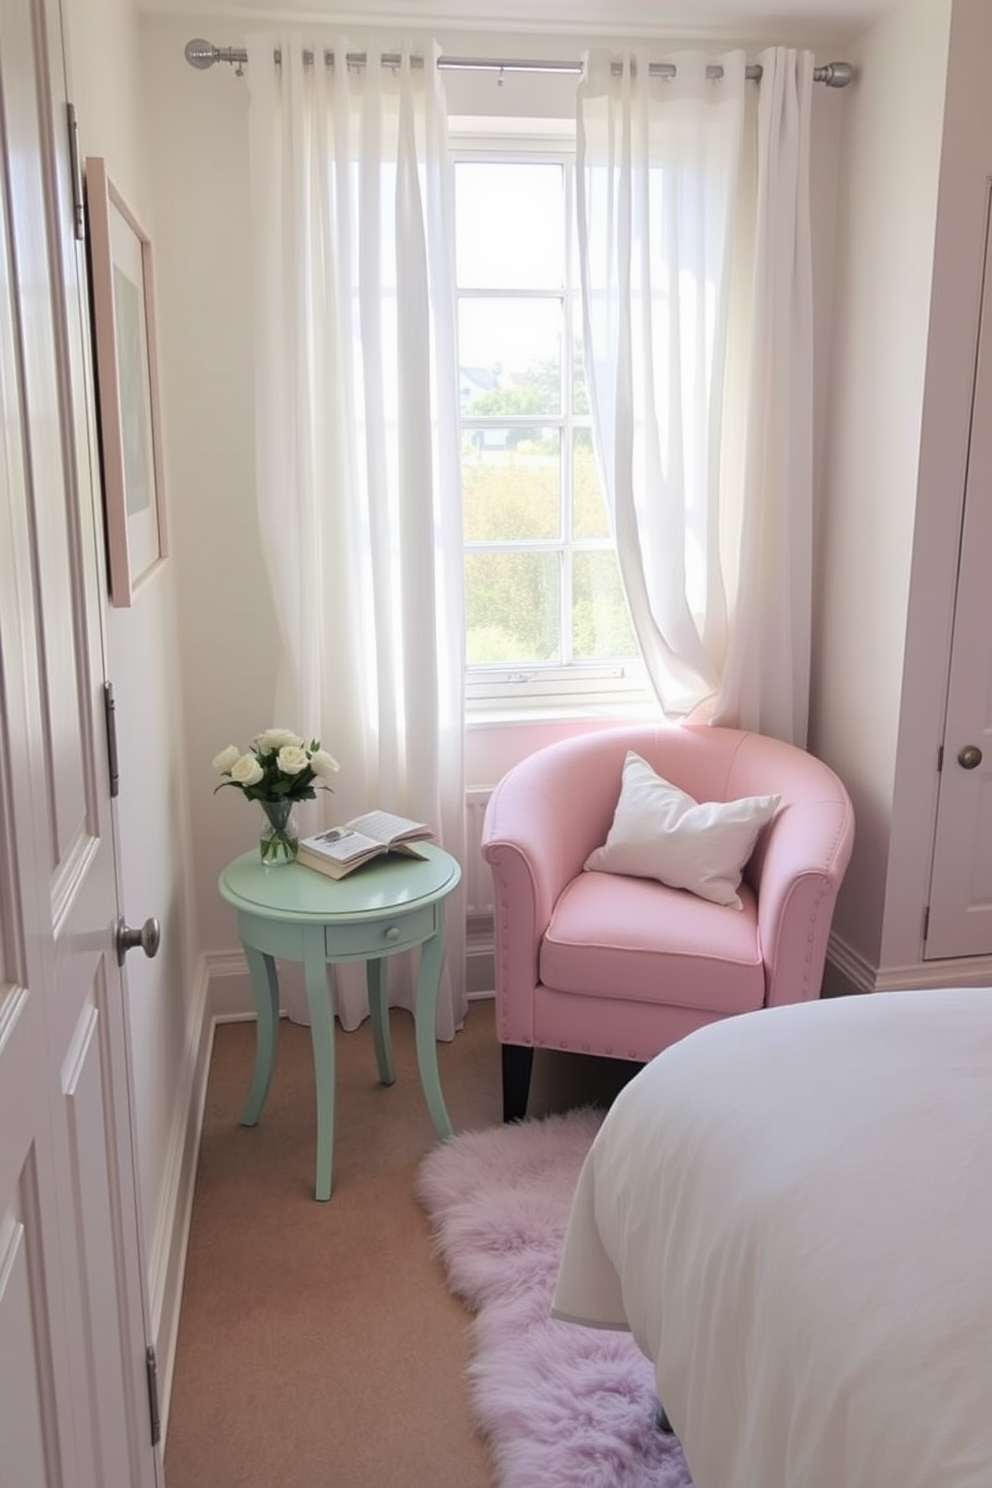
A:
200, 53
835, 74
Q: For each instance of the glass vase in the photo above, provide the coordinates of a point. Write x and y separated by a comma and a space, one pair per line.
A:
279, 837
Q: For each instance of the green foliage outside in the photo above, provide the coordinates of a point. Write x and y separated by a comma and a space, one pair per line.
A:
511, 493
514, 496
501, 402
540, 394
512, 597
511, 608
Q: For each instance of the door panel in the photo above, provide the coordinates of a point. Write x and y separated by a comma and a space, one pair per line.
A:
25, 126
22, 1428
961, 880
84, 1083
27, 1399
71, 1270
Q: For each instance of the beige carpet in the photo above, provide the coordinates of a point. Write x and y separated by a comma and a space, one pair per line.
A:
318, 1346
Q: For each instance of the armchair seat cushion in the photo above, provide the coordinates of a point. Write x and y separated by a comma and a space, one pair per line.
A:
646, 942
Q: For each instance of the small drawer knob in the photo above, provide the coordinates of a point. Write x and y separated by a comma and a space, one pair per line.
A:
393, 933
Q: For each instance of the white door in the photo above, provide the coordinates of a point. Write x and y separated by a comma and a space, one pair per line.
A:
74, 1406
960, 921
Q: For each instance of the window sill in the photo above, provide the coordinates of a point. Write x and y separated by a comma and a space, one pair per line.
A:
485, 715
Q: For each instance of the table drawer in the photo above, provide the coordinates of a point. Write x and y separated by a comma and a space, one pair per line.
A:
380, 937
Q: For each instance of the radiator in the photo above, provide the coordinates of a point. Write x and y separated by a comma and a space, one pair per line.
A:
478, 874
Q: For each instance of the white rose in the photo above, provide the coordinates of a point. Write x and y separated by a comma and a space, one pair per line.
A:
246, 770
226, 758
275, 738
322, 763
292, 759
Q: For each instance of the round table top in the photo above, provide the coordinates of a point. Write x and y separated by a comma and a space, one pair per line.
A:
292, 892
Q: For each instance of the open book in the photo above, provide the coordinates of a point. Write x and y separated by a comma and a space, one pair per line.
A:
341, 850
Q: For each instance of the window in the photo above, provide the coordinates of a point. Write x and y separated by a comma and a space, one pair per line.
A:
546, 616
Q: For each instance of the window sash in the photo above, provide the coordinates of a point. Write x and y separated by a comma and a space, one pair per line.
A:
568, 681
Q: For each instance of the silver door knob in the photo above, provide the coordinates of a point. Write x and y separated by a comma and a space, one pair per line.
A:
148, 938
970, 757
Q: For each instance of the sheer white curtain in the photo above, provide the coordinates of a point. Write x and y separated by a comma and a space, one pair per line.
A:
694, 246
356, 438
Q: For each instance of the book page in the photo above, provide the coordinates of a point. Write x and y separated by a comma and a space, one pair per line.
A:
341, 844
384, 826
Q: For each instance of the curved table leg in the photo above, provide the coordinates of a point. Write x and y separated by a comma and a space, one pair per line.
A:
322, 1039
265, 985
425, 1020
375, 980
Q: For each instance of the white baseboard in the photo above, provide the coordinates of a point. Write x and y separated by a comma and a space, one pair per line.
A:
167, 1258
480, 961
849, 971
963, 971
846, 970
230, 994
230, 985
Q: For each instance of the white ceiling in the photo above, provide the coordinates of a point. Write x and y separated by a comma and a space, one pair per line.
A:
793, 20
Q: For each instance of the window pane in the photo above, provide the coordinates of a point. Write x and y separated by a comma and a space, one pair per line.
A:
492, 203
601, 628
590, 517
509, 355
511, 484
511, 608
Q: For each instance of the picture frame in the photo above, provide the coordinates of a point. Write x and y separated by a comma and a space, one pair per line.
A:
128, 414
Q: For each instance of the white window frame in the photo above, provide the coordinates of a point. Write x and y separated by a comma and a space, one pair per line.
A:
588, 688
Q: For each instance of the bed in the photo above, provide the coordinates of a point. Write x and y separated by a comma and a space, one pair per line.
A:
791, 1210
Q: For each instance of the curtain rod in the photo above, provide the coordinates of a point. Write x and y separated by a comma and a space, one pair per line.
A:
203, 54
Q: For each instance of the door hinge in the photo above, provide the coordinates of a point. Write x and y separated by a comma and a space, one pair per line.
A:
110, 712
151, 1371
926, 924
940, 759
76, 172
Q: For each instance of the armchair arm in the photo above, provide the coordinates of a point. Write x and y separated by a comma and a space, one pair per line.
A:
797, 880
542, 822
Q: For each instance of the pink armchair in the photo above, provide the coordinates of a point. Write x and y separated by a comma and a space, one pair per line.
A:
603, 964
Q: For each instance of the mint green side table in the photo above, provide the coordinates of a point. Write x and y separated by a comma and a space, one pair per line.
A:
300, 915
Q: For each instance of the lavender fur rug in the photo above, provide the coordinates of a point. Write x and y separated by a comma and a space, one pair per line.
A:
561, 1406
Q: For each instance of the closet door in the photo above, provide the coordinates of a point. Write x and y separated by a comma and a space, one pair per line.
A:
960, 919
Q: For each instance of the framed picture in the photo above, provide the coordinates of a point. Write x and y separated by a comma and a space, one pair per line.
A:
123, 300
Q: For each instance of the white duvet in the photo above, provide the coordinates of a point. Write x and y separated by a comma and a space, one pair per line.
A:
792, 1212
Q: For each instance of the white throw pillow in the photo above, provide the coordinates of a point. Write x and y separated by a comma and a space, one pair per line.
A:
660, 832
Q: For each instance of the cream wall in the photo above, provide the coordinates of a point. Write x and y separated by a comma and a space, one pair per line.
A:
888, 217
227, 625
163, 1003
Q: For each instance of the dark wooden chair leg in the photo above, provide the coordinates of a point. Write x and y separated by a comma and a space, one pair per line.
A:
517, 1064
662, 1422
